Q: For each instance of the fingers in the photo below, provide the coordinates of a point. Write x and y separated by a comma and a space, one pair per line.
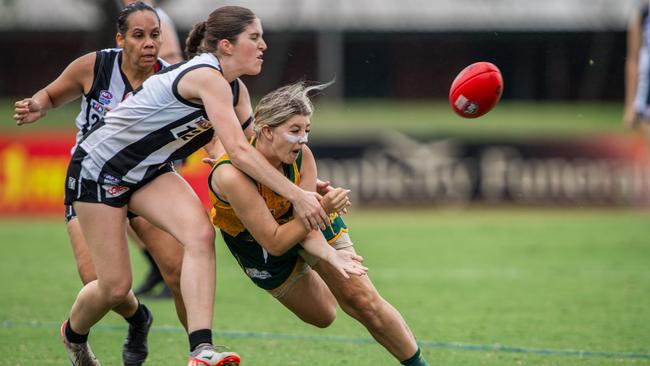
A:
324, 221
356, 270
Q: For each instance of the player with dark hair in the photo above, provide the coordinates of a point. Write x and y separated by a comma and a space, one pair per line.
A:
104, 79
170, 51
293, 264
125, 162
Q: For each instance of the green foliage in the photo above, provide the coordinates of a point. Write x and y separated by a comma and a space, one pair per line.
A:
542, 284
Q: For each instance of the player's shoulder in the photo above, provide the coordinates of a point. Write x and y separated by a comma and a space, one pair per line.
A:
83, 64
228, 177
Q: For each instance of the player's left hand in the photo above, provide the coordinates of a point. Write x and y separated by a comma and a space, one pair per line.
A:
347, 263
336, 200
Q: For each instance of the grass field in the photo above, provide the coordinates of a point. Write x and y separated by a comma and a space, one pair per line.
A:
477, 286
507, 121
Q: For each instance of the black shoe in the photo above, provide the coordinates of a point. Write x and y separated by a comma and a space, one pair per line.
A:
135, 349
153, 278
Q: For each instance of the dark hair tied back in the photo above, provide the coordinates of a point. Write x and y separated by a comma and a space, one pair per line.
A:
226, 22
194, 39
123, 18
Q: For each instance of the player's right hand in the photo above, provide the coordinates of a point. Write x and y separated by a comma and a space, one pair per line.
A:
26, 111
308, 209
336, 200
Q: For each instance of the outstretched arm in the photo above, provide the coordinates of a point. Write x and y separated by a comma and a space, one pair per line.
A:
234, 186
209, 86
73, 81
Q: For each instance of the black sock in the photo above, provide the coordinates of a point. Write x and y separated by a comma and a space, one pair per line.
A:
139, 317
74, 337
200, 336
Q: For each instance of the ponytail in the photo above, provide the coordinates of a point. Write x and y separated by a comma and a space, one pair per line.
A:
194, 40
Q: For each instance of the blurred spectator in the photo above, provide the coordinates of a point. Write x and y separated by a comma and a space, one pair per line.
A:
637, 73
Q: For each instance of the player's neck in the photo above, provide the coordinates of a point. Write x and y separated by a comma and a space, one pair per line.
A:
267, 152
136, 75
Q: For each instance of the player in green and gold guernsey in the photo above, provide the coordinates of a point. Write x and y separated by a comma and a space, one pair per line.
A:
309, 272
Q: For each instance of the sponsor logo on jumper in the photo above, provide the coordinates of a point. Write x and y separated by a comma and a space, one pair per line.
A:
114, 191
191, 129
105, 97
98, 107
256, 273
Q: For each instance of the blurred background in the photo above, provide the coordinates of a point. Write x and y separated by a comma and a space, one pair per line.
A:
384, 128
520, 237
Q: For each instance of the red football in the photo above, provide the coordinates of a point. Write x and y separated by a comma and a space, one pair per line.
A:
476, 90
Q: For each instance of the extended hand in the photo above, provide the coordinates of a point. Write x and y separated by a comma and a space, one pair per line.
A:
347, 263
336, 200
308, 209
26, 111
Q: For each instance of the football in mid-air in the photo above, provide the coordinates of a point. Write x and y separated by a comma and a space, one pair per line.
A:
476, 90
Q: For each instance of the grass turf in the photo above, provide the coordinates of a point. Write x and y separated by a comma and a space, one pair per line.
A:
509, 120
477, 286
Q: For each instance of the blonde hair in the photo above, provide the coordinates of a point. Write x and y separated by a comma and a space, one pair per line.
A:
278, 106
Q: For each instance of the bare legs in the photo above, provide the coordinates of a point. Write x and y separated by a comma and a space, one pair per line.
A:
165, 249
178, 211
169, 203
313, 299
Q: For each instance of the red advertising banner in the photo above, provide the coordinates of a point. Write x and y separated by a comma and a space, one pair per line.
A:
33, 169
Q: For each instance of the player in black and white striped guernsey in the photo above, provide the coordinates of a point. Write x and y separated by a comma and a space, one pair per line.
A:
103, 79
109, 88
125, 161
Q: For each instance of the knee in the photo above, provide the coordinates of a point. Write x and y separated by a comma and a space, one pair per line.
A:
116, 294
365, 307
200, 240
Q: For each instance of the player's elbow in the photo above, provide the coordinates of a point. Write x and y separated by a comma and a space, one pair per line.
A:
274, 249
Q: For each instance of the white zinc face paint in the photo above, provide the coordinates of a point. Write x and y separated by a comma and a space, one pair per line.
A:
296, 139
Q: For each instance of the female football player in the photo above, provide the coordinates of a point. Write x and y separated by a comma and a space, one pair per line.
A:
125, 162
103, 79
279, 254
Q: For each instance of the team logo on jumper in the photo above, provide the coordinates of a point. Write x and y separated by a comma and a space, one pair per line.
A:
109, 179
72, 183
256, 273
105, 97
114, 191
191, 129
